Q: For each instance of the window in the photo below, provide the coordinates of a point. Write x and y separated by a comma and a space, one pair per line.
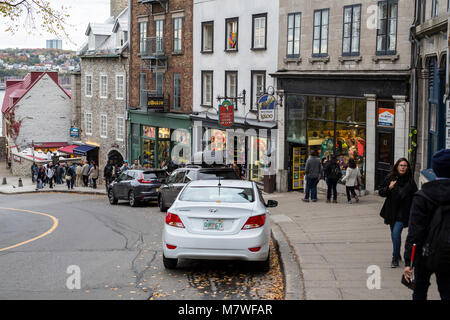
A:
259, 35
88, 124
231, 86
293, 35
320, 42
159, 32
88, 88
159, 84
435, 8
143, 37
231, 34
208, 36
258, 87
143, 89
120, 86
352, 27
103, 126
424, 11
103, 86
176, 90
387, 27
120, 128
177, 34
207, 88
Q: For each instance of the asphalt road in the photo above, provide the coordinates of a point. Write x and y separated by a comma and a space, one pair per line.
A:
47, 240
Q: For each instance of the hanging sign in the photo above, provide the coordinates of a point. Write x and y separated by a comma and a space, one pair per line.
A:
266, 108
226, 114
74, 132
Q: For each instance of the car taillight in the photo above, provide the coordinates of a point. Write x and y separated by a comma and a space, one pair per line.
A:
145, 181
255, 222
174, 220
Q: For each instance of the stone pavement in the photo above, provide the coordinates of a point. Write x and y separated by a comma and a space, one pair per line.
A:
334, 245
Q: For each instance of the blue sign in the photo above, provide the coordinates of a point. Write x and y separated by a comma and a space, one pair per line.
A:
74, 132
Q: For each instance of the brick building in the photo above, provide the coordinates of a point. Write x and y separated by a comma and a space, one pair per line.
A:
161, 66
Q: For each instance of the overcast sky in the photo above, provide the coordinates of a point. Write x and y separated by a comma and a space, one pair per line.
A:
81, 13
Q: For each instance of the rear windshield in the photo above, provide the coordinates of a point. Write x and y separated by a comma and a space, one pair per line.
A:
154, 175
214, 175
214, 194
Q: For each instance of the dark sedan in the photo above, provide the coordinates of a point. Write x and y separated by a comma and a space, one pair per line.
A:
169, 191
137, 186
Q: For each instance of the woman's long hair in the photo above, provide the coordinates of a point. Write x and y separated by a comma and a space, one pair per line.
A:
352, 163
394, 170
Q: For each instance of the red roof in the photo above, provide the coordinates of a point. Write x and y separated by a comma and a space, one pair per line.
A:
68, 149
16, 89
50, 145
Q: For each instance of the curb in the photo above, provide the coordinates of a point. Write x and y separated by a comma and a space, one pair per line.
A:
54, 191
293, 276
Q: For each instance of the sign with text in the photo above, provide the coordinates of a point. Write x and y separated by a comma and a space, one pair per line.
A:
155, 103
226, 114
74, 132
386, 117
266, 108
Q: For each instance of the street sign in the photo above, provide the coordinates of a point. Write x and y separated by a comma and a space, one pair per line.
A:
266, 108
226, 114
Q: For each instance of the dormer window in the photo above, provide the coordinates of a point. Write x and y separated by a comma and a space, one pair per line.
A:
91, 42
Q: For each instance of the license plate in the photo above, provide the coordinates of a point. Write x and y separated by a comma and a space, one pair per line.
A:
213, 224
157, 189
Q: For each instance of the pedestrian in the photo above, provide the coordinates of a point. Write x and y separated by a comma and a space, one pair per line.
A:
79, 175
332, 173
430, 204
108, 174
50, 175
124, 167
73, 170
34, 171
398, 188
85, 174
69, 175
40, 178
136, 165
57, 172
351, 179
313, 171
93, 175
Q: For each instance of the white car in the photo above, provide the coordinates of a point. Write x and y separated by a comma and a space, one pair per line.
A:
218, 220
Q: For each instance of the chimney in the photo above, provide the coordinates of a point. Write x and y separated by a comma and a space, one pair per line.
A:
117, 6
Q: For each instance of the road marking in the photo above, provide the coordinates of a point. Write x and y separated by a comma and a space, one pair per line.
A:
55, 225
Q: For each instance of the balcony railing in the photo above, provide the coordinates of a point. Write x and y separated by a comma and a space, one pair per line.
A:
152, 48
163, 3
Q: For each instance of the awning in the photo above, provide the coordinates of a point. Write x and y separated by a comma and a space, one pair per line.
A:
83, 150
68, 149
50, 145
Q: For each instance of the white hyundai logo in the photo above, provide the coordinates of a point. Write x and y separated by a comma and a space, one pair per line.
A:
213, 210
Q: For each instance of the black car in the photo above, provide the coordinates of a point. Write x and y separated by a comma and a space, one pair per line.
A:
169, 191
137, 186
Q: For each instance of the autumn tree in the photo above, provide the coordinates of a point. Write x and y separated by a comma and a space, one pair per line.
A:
33, 16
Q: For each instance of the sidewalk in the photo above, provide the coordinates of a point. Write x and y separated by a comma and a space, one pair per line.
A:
334, 244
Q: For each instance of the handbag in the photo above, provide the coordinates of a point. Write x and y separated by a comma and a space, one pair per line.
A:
68, 178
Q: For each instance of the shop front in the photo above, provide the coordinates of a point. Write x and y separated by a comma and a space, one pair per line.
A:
154, 135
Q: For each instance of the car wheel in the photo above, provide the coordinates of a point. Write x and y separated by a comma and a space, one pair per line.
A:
264, 266
170, 263
112, 198
162, 208
132, 199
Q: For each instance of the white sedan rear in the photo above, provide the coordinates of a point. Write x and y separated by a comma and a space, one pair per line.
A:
218, 220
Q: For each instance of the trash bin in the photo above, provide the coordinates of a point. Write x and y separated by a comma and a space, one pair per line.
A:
269, 183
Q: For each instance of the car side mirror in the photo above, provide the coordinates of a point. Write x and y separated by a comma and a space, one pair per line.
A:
272, 204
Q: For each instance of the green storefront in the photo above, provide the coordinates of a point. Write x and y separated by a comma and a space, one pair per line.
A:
152, 136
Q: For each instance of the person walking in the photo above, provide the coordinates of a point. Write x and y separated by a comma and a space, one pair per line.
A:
124, 167
69, 175
40, 178
108, 174
85, 174
313, 171
93, 175
430, 204
50, 175
79, 175
332, 173
136, 165
351, 179
34, 171
398, 188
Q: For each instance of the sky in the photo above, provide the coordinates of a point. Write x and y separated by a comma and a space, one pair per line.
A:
81, 13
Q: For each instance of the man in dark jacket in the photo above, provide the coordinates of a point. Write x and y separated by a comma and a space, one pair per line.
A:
421, 214
313, 171
108, 174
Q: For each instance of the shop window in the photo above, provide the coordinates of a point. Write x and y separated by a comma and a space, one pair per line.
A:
164, 133
258, 147
351, 110
296, 125
148, 153
321, 137
321, 108
149, 132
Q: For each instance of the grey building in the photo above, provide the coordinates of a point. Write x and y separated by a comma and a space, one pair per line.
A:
345, 67
101, 85
54, 44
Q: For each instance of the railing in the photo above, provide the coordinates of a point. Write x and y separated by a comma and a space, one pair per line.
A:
152, 48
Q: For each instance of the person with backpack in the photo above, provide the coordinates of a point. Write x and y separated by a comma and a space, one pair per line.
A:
352, 176
332, 173
429, 230
398, 188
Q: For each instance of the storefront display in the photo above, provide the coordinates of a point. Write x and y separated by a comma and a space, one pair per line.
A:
258, 149
298, 168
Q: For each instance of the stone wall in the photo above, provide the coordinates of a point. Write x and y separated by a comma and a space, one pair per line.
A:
2, 148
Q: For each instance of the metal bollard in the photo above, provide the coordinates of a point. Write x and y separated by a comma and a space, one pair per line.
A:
4, 181
20, 182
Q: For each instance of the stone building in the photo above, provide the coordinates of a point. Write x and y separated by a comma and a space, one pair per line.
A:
429, 115
345, 71
100, 109
161, 66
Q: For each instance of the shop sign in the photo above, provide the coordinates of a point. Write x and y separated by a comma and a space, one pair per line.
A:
266, 108
155, 103
386, 117
226, 114
74, 132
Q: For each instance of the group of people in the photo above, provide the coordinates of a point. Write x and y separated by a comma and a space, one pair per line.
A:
75, 174
330, 170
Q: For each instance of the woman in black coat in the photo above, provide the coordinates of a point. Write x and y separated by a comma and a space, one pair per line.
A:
398, 188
